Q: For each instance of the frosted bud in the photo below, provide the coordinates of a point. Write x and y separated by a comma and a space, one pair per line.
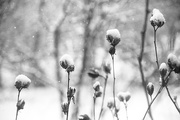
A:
172, 61
20, 104
107, 67
67, 63
150, 88
84, 117
110, 104
124, 96
157, 18
94, 73
64, 107
22, 81
99, 92
113, 36
96, 86
163, 70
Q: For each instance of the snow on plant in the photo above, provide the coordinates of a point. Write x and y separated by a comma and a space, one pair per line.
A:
113, 37
67, 63
21, 82
157, 19
111, 105
124, 97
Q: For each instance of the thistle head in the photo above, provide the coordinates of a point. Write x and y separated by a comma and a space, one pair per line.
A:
172, 61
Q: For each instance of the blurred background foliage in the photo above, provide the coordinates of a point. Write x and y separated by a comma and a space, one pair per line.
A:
34, 34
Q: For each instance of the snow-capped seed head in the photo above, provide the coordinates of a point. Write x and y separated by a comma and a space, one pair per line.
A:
22, 81
84, 117
157, 18
96, 86
20, 104
150, 88
113, 36
107, 67
99, 92
163, 69
64, 107
124, 96
93, 73
172, 61
67, 63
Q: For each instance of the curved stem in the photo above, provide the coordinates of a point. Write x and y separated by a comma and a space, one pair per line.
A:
159, 91
174, 102
17, 110
104, 91
68, 98
155, 46
114, 82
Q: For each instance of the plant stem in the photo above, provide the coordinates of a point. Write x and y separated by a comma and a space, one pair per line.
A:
159, 91
19, 91
114, 82
125, 104
68, 98
174, 102
104, 91
157, 62
94, 109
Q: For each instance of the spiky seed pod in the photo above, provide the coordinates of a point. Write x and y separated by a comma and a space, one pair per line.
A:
150, 88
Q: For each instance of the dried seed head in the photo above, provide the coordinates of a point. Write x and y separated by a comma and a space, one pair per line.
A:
112, 50
107, 67
84, 117
172, 61
163, 69
71, 92
113, 36
67, 63
20, 104
157, 18
150, 88
22, 81
64, 107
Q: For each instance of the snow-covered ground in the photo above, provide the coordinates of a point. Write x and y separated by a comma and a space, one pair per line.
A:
43, 104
